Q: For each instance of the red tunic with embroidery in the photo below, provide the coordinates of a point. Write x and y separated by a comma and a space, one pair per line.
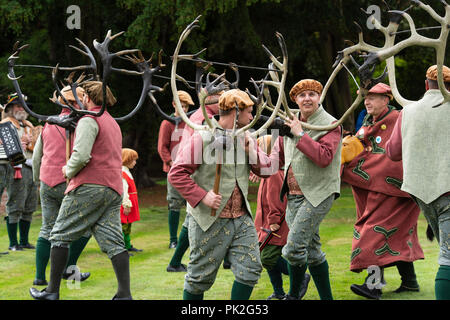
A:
132, 194
385, 230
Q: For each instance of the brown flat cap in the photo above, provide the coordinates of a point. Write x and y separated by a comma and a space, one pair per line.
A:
432, 73
185, 97
303, 85
230, 98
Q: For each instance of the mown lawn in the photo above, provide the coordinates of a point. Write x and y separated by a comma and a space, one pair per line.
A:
150, 281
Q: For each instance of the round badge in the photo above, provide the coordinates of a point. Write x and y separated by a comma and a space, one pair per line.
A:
383, 127
378, 139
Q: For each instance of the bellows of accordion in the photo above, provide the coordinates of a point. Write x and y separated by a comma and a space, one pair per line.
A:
11, 143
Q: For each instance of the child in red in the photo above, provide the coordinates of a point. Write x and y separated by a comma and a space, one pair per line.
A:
129, 211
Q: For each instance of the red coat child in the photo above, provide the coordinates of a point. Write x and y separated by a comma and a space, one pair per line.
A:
129, 210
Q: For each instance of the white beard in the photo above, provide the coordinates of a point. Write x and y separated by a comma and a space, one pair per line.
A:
20, 115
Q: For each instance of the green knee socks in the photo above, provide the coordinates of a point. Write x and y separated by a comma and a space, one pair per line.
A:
189, 296
442, 283
75, 250
174, 218
296, 275
43, 254
24, 229
42, 257
182, 246
321, 279
127, 240
241, 291
12, 232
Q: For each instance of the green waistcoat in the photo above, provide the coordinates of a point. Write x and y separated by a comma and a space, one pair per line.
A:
316, 183
425, 147
235, 169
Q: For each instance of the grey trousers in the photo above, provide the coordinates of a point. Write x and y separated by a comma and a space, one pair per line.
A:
22, 196
235, 238
303, 241
51, 200
90, 208
437, 214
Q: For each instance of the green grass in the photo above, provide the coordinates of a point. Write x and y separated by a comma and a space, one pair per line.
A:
150, 281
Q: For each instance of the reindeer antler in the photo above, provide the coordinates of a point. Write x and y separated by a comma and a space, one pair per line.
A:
106, 58
375, 55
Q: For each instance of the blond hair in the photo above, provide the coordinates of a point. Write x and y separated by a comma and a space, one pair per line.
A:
128, 156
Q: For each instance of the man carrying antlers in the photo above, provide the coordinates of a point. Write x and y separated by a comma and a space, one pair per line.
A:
421, 138
93, 196
49, 157
231, 231
311, 161
169, 138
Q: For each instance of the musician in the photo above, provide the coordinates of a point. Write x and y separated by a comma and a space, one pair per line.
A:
18, 180
49, 157
421, 138
311, 161
385, 231
169, 138
231, 231
93, 195
269, 221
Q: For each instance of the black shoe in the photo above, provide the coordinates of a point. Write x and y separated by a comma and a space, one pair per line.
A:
404, 288
304, 286
39, 282
126, 298
134, 249
364, 291
15, 247
43, 295
276, 296
289, 297
83, 276
180, 268
173, 245
27, 246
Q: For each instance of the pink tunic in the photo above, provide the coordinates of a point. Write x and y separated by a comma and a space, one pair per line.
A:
54, 155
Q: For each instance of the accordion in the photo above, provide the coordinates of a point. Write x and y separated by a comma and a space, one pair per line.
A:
11, 143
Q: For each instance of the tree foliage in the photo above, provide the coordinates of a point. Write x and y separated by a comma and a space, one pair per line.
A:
231, 30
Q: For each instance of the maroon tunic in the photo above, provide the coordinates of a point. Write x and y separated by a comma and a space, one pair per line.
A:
168, 139
53, 140
269, 209
386, 217
105, 166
